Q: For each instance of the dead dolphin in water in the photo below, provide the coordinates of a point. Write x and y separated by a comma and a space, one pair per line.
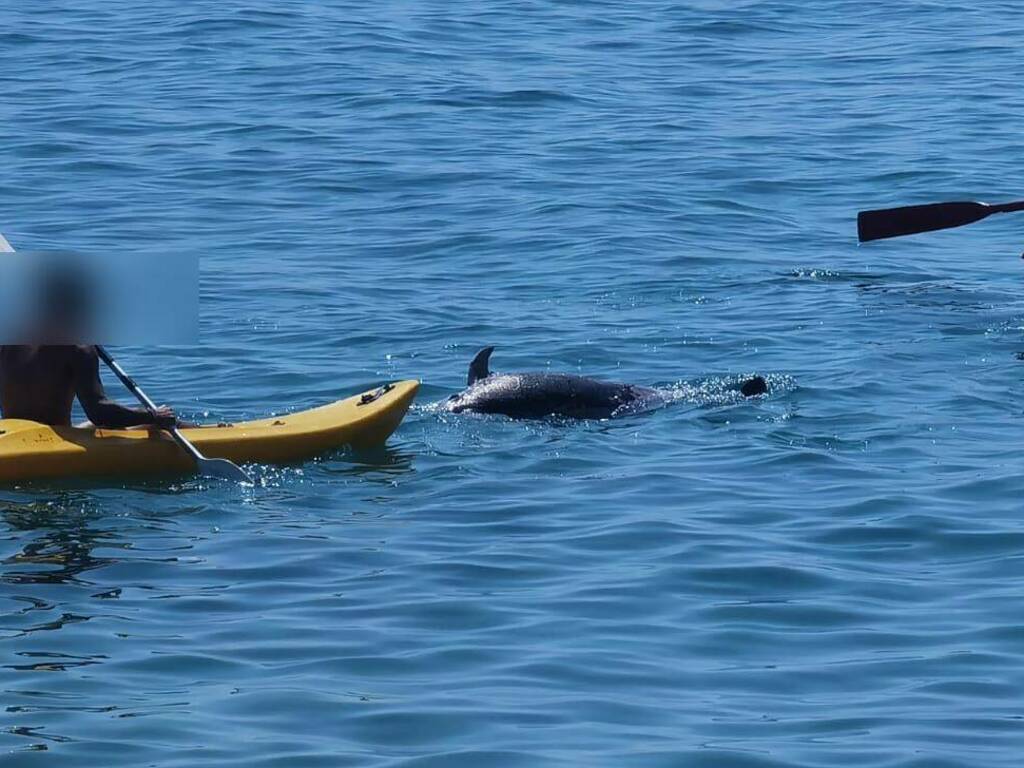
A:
536, 395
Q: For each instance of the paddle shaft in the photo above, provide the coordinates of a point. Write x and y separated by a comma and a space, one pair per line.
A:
134, 388
1007, 207
990, 208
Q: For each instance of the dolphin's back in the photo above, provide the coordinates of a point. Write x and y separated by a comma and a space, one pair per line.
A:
535, 395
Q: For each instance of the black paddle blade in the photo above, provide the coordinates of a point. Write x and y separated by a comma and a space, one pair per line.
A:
911, 219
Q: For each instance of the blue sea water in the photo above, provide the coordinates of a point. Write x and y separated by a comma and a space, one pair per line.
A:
650, 191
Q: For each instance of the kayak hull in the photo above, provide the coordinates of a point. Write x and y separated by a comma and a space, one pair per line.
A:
29, 450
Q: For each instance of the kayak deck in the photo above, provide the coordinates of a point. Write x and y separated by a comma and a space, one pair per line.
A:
30, 450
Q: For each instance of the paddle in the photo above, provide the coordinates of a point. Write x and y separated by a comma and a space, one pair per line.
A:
911, 219
221, 468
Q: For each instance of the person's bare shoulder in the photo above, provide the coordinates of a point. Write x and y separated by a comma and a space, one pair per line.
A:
80, 358
80, 353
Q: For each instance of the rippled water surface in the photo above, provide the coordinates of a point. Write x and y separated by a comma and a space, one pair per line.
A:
654, 192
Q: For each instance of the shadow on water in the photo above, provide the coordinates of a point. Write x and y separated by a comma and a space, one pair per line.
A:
369, 464
59, 540
57, 545
382, 463
44, 579
163, 485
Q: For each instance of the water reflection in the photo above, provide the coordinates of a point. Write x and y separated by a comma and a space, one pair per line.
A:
53, 548
53, 543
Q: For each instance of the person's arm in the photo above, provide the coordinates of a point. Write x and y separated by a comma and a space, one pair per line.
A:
101, 410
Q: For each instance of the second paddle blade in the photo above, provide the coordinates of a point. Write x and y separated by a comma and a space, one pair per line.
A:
911, 219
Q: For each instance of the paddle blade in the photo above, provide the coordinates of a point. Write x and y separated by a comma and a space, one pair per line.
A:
912, 219
222, 469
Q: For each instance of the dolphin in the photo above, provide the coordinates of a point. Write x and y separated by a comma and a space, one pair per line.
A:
536, 395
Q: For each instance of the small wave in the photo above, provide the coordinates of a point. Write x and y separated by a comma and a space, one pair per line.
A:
516, 98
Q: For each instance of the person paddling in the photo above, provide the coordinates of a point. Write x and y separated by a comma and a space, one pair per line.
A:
40, 383
44, 365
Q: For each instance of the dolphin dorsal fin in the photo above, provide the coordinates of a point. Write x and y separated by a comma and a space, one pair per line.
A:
478, 368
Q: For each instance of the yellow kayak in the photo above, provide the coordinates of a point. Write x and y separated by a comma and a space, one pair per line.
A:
31, 450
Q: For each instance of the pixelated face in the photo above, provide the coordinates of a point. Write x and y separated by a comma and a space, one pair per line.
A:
72, 298
64, 306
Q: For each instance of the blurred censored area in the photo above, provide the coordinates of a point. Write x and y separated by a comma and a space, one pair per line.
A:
65, 297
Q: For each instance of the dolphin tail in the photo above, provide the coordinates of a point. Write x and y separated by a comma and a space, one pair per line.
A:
478, 368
